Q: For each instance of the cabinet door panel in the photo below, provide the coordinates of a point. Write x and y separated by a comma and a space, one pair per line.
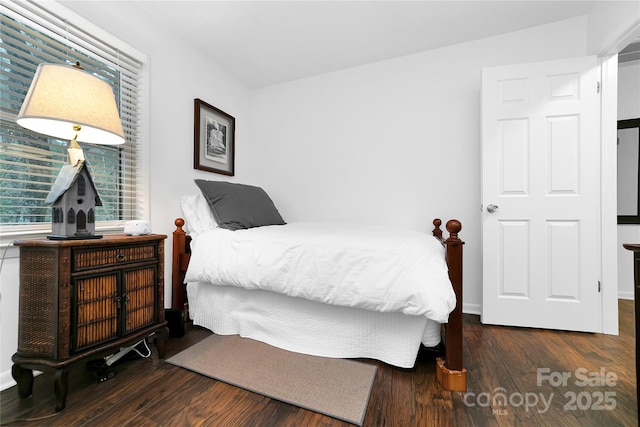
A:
38, 303
96, 309
140, 290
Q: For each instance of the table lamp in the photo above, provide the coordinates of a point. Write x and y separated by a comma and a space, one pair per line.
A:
65, 102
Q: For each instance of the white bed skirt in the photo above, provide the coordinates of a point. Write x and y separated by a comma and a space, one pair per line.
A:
311, 327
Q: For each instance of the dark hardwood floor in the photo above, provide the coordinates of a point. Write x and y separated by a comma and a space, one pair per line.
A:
585, 380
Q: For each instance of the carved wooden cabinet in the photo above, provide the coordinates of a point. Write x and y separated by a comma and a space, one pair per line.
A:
83, 298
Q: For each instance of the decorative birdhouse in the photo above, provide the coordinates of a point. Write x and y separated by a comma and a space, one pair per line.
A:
73, 197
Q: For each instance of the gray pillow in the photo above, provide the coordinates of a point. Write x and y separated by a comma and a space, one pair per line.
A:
239, 206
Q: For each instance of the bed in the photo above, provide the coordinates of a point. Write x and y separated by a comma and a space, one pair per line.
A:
333, 290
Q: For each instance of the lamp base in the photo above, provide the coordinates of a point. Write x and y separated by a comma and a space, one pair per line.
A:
79, 237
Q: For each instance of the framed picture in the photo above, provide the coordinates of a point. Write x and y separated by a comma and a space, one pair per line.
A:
214, 139
629, 171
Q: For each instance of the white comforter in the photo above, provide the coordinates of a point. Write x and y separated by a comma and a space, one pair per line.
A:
354, 266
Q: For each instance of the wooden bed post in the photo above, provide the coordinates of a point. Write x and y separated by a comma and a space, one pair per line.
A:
178, 267
450, 373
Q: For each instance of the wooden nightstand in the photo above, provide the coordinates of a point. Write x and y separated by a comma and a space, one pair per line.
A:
84, 298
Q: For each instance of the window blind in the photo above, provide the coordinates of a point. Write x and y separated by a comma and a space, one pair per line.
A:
30, 162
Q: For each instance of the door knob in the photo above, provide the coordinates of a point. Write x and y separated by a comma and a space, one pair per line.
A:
492, 208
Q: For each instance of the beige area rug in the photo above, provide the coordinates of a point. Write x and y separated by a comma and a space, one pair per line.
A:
335, 387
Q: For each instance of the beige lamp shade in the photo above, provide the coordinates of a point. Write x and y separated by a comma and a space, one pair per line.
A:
62, 96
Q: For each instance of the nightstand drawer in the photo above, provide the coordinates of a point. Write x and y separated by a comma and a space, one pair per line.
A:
93, 258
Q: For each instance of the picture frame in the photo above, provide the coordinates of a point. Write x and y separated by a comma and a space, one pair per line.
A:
214, 139
629, 171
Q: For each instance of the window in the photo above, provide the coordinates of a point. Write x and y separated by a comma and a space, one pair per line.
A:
30, 162
81, 186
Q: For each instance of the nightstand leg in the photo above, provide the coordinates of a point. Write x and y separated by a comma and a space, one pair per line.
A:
24, 378
60, 385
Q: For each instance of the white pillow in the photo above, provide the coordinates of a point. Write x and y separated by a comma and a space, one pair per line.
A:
197, 214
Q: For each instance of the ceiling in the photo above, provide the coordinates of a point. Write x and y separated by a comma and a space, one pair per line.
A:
268, 42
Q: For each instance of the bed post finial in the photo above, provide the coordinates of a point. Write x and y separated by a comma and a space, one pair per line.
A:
453, 227
437, 232
179, 223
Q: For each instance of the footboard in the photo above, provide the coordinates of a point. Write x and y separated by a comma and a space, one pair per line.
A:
450, 373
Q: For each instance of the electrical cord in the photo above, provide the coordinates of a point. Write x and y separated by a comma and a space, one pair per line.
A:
28, 420
144, 341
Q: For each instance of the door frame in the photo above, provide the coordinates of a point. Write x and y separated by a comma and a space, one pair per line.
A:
608, 60
608, 188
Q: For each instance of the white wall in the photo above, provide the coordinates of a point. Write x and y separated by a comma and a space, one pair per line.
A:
395, 142
628, 108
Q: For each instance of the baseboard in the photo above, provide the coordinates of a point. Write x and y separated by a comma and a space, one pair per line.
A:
6, 380
626, 295
472, 308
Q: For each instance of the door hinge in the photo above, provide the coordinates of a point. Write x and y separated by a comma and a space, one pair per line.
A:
597, 87
599, 286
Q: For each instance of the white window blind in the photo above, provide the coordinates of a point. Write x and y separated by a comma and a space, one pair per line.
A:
29, 162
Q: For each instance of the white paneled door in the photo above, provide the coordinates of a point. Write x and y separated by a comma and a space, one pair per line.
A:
541, 195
